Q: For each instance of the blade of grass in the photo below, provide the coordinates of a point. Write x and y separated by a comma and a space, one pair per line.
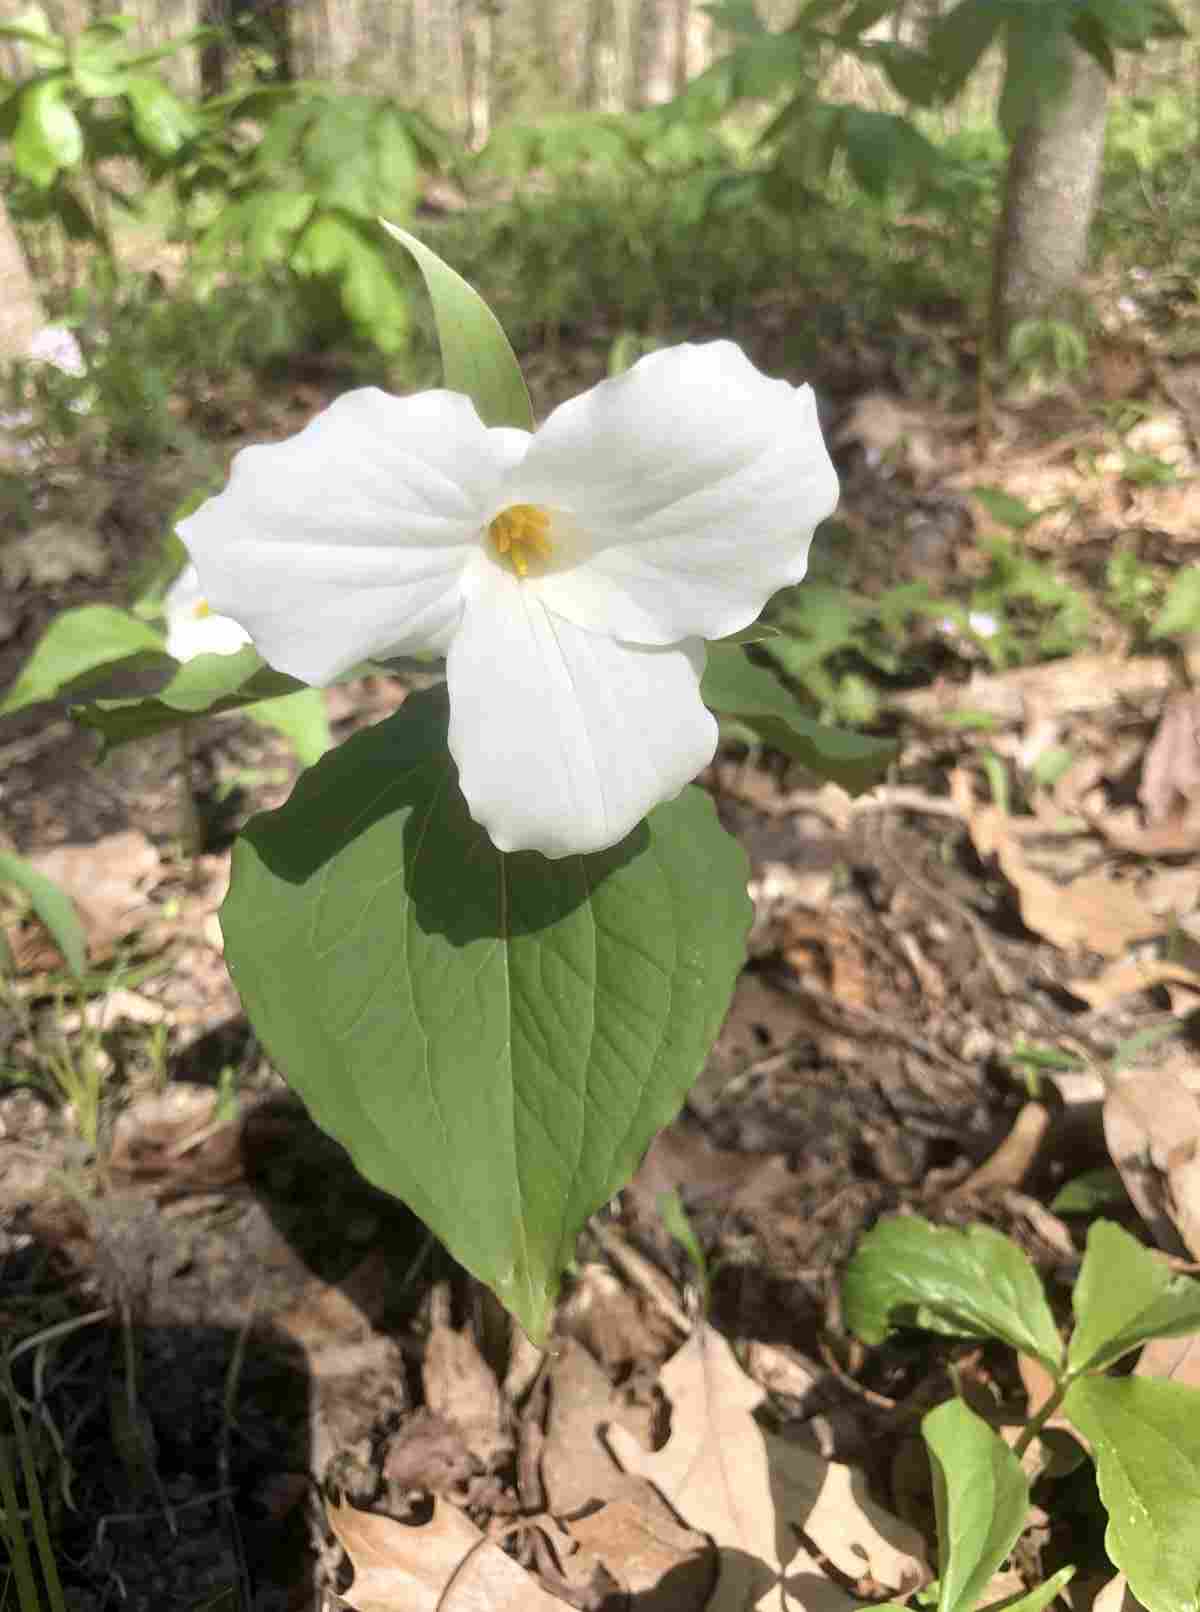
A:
37, 1511
12, 1530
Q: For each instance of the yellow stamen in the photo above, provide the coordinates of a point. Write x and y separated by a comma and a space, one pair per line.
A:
521, 535
201, 609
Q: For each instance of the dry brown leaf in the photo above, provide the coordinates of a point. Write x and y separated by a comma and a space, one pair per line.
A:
177, 1139
576, 1466
1071, 687
1176, 1359
1171, 770
1097, 911
1116, 1596
446, 1565
1152, 1127
668, 1568
749, 1491
107, 881
1014, 1158
1124, 978
460, 1386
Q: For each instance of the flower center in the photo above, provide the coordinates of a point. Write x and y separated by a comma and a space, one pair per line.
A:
521, 535
200, 609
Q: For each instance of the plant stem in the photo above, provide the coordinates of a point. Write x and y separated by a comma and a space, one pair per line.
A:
1035, 1424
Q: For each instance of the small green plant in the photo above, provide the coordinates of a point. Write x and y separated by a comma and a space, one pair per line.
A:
1142, 1433
1047, 350
87, 99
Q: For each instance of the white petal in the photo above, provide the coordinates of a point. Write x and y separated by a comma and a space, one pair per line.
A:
349, 539
192, 629
692, 485
564, 738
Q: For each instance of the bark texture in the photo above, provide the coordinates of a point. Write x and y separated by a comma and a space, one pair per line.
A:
1050, 195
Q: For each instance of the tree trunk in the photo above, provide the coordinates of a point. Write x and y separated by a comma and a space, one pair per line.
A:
1050, 195
21, 314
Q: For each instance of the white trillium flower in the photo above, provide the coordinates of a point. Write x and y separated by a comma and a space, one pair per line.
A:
570, 576
192, 628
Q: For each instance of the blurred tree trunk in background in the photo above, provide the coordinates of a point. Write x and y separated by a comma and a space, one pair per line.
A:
21, 313
654, 36
1050, 195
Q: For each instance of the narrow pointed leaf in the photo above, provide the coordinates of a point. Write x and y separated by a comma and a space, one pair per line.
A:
975, 1283
1145, 1437
1124, 1297
476, 356
981, 1498
76, 643
120, 721
494, 1038
1039, 1597
52, 905
735, 686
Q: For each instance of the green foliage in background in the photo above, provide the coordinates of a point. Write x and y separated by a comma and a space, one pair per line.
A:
306, 197
89, 98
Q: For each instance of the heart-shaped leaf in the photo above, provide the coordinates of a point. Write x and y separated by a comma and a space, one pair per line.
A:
494, 1038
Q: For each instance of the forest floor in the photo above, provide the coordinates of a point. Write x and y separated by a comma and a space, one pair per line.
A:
959, 997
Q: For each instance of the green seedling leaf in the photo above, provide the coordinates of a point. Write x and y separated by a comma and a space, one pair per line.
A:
1003, 507
1145, 1438
980, 1497
734, 686
1124, 1297
77, 643
675, 1220
48, 136
974, 1283
476, 356
52, 905
495, 1039
1094, 1189
1180, 613
1037, 1598
301, 718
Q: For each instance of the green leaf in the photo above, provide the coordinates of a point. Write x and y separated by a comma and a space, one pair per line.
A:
494, 1038
1094, 1189
203, 681
1145, 1438
1003, 507
1036, 65
959, 39
121, 721
48, 137
974, 1283
74, 644
1180, 613
161, 121
99, 64
52, 905
736, 687
980, 1497
1124, 1297
476, 356
301, 718
1039, 1597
